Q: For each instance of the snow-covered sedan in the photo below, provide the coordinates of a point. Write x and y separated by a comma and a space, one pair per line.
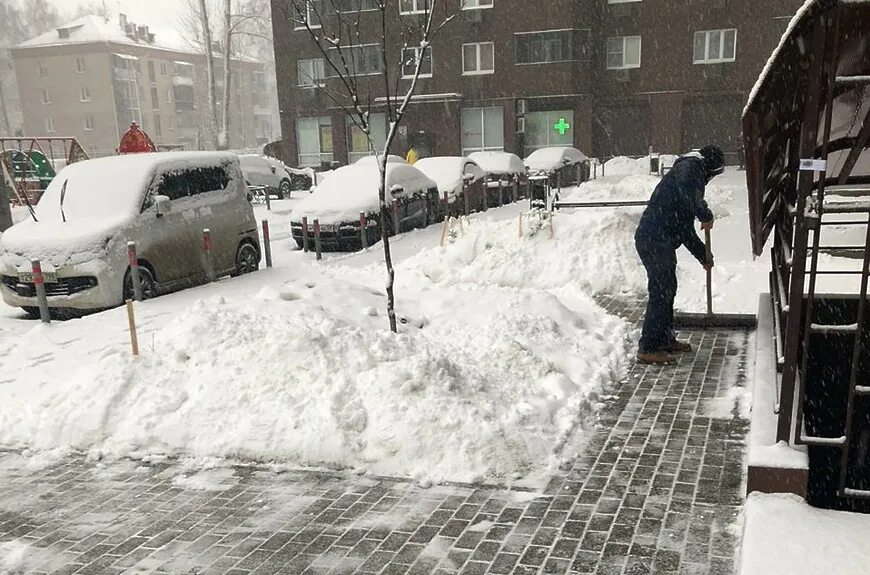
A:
460, 179
338, 202
502, 167
552, 168
266, 172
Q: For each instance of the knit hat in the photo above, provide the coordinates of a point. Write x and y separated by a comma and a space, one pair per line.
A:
714, 160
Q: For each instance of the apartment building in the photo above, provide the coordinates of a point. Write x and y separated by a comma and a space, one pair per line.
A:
611, 77
92, 77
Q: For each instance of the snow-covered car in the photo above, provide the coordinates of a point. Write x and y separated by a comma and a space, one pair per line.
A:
554, 167
162, 201
268, 173
502, 167
460, 179
373, 159
353, 190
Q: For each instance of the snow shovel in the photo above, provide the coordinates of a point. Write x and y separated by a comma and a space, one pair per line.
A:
710, 319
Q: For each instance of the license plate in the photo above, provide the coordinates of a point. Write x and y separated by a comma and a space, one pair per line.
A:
27, 277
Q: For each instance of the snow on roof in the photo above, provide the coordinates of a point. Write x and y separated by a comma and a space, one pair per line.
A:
90, 29
549, 159
499, 162
448, 171
352, 189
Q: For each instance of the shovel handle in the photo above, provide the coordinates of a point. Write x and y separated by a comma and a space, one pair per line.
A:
708, 243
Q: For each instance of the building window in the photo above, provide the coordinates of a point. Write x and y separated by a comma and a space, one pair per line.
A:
552, 46
478, 58
46, 97
158, 125
89, 123
309, 15
350, 6
163, 70
314, 140
409, 62
170, 123
49, 125
358, 145
84, 94
363, 60
413, 6
553, 128
169, 95
482, 129
151, 75
155, 101
309, 72
623, 52
80, 65
476, 4
715, 46
43, 70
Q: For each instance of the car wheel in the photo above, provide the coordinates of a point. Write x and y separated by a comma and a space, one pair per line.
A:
146, 281
247, 259
284, 189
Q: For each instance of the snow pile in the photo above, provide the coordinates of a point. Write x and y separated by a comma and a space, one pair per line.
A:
782, 534
307, 374
352, 189
625, 166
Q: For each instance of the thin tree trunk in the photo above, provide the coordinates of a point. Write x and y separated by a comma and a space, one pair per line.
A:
5, 209
209, 62
6, 128
224, 140
385, 238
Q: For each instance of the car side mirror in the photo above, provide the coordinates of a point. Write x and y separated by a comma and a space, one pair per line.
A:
273, 169
565, 161
164, 205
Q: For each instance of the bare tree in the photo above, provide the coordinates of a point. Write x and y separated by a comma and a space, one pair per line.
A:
205, 30
224, 137
336, 31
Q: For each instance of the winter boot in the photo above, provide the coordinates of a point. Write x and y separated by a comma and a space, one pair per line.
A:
655, 357
677, 346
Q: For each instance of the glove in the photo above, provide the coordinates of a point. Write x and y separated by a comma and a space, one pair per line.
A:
708, 265
707, 225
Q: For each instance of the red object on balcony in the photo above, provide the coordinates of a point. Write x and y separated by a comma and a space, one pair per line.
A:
135, 141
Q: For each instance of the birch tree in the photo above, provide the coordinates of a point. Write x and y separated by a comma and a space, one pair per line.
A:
224, 138
205, 29
336, 31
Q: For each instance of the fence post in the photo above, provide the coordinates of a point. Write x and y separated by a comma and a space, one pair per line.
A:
396, 223
317, 246
465, 207
207, 248
485, 206
515, 190
268, 199
41, 297
134, 270
267, 243
131, 321
595, 171
305, 234
364, 229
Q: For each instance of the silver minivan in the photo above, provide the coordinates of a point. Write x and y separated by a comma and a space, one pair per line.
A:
162, 201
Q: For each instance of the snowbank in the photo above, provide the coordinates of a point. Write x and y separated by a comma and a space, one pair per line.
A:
352, 189
624, 166
782, 534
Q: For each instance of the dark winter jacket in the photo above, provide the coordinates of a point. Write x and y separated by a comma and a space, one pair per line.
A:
669, 218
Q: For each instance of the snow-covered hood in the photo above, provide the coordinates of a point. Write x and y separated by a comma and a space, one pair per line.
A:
58, 244
448, 172
352, 189
551, 159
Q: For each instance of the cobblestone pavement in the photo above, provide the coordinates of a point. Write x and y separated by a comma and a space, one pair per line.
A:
655, 489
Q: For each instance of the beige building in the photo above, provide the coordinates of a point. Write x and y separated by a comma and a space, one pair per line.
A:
91, 78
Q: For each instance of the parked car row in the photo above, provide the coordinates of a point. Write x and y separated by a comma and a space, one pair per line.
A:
346, 202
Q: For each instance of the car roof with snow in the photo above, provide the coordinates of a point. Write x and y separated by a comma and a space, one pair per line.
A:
373, 159
495, 162
553, 158
352, 189
448, 171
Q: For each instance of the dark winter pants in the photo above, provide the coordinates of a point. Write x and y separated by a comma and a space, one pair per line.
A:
660, 261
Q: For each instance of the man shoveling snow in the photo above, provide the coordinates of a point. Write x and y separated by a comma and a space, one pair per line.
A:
667, 224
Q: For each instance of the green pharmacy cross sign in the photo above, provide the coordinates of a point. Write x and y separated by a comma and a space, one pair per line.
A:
562, 126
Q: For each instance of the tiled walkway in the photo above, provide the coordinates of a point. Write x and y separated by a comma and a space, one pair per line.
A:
656, 489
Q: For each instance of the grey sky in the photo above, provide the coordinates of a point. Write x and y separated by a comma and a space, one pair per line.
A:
158, 13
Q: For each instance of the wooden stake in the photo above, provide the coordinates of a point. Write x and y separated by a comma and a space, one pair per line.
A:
131, 319
443, 230
521, 226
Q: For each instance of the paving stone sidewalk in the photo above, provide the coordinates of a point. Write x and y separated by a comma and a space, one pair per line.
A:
656, 489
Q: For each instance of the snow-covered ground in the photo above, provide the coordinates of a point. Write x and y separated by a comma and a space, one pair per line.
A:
782, 534
502, 352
